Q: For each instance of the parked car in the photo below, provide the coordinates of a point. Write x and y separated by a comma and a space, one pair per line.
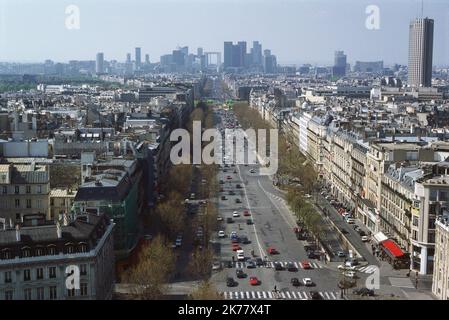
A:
221, 234
315, 295
295, 282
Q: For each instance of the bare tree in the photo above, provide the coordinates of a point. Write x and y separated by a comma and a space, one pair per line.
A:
206, 291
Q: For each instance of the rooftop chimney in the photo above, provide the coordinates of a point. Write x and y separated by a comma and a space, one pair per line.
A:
18, 237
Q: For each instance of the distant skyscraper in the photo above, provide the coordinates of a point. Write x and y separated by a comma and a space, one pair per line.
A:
147, 58
138, 57
184, 50
420, 53
241, 54
227, 54
128, 58
339, 68
199, 52
99, 63
256, 53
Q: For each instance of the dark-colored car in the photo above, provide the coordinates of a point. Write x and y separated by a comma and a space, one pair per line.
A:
223, 198
311, 254
230, 282
238, 200
315, 295
295, 282
362, 233
228, 264
229, 220
259, 262
278, 266
250, 264
249, 221
244, 240
240, 274
231, 193
344, 231
363, 292
238, 186
291, 267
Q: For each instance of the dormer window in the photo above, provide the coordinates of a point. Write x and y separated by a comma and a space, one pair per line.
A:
26, 252
82, 247
51, 249
6, 254
69, 248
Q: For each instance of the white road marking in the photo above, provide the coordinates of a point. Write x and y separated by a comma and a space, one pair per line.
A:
270, 295
288, 294
253, 295
264, 294
294, 294
247, 294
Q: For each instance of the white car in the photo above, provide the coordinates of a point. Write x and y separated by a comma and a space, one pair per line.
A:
343, 267
221, 234
349, 274
240, 255
219, 218
307, 196
365, 238
350, 221
235, 214
307, 282
216, 266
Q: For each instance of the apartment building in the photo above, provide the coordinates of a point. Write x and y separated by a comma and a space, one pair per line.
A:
440, 284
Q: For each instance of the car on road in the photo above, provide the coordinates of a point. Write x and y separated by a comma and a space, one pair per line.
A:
254, 281
228, 264
246, 213
272, 250
365, 238
223, 198
229, 220
240, 273
230, 282
219, 218
221, 234
315, 295
306, 265
240, 255
344, 231
229, 177
231, 193
259, 262
250, 264
221, 181
311, 254
344, 267
278, 266
341, 254
236, 247
216, 266
295, 282
238, 186
363, 292
235, 214
350, 274
350, 221
237, 200
178, 242
245, 240
252, 171
291, 267
249, 221
307, 282
307, 196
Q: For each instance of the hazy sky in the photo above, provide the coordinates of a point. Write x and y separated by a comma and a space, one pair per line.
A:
296, 31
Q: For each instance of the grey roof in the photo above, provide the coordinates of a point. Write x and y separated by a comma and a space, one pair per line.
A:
30, 177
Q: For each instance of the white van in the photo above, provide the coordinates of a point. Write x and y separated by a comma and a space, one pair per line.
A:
240, 255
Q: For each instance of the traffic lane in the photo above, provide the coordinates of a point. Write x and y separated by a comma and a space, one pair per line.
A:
352, 236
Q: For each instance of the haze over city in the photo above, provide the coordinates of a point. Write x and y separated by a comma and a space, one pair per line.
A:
299, 31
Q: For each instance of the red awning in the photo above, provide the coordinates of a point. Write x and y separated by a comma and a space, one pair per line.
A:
393, 248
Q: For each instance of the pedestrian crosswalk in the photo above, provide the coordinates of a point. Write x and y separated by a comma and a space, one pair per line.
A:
270, 264
288, 295
368, 269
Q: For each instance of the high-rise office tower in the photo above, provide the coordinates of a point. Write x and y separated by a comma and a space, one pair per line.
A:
99, 63
138, 57
199, 52
128, 58
228, 46
420, 53
147, 58
339, 68
256, 53
241, 53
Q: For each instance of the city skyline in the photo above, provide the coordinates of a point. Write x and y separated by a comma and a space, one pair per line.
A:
286, 37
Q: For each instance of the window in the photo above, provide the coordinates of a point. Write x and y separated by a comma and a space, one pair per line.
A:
9, 294
52, 201
27, 294
28, 189
52, 272
51, 250
39, 204
443, 196
5, 189
70, 292
16, 189
69, 249
39, 189
18, 217
40, 273
26, 275
433, 195
52, 293
17, 203
8, 278
40, 294
6, 254
415, 221
83, 269
26, 252
39, 252
83, 289
411, 155
82, 247
28, 203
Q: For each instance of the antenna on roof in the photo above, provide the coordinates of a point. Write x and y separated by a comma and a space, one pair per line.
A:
422, 8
